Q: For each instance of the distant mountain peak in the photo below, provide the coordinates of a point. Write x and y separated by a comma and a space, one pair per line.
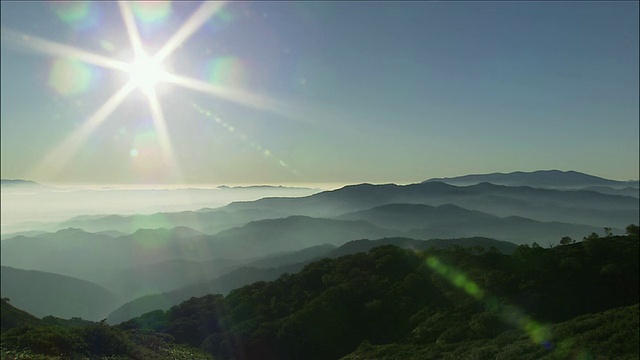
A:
17, 182
553, 179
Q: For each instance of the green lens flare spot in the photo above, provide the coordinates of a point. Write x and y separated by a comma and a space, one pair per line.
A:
225, 71
71, 11
69, 77
151, 11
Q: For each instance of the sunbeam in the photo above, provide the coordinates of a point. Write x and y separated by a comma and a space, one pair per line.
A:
130, 25
56, 158
38, 44
199, 17
161, 126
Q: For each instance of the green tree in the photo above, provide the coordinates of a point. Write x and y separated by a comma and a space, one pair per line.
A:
633, 231
607, 232
566, 240
592, 236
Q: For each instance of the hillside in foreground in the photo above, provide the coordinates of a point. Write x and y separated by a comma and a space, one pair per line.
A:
393, 297
575, 300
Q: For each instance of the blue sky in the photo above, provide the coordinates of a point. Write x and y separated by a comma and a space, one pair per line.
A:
357, 92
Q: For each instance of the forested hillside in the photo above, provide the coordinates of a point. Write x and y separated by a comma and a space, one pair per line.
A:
432, 298
577, 298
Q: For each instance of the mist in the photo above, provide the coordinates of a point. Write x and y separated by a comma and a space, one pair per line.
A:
23, 205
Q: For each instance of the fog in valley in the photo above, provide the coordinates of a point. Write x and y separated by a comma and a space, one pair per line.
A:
27, 203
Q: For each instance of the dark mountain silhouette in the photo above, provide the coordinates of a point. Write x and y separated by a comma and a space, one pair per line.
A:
9, 183
627, 191
206, 220
605, 208
105, 260
98, 258
112, 233
22, 233
416, 216
255, 271
264, 237
553, 179
579, 207
43, 294
427, 222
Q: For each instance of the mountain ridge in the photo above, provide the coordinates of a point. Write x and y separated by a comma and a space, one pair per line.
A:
43, 293
539, 178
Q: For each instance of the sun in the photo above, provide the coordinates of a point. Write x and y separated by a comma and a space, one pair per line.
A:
145, 72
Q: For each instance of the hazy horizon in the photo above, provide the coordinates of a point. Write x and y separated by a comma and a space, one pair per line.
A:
321, 186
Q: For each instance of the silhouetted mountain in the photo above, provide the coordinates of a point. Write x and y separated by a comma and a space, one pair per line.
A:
553, 179
416, 216
515, 229
264, 237
22, 233
9, 183
428, 222
208, 221
111, 233
579, 207
272, 187
104, 260
570, 206
43, 294
628, 191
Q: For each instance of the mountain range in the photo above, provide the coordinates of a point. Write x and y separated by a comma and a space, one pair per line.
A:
551, 179
218, 249
290, 263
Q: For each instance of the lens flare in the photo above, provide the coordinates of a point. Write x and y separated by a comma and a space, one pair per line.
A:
220, 20
107, 45
69, 77
78, 14
537, 332
225, 71
151, 11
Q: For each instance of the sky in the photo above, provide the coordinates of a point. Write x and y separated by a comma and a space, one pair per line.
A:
317, 92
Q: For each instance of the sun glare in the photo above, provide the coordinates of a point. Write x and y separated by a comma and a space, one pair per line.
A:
146, 72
